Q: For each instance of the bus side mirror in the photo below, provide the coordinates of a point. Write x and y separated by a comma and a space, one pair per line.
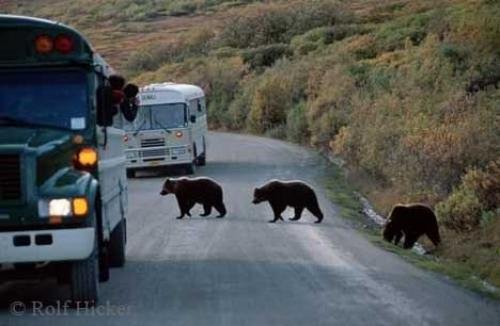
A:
105, 108
192, 118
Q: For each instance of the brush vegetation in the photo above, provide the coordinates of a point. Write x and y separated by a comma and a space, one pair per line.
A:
380, 84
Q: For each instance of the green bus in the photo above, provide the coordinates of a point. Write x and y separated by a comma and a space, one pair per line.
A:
63, 185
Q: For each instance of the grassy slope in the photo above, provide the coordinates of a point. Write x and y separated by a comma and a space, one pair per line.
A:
336, 87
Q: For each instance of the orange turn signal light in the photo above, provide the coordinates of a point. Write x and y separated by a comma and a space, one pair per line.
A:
80, 207
87, 156
178, 134
44, 44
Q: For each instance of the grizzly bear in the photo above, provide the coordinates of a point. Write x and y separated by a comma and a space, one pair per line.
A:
191, 191
412, 220
281, 194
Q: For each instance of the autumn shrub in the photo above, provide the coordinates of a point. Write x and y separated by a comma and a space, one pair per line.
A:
153, 56
270, 103
278, 24
275, 92
475, 201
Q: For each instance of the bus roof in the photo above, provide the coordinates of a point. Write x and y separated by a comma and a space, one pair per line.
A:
19, 33
169, 93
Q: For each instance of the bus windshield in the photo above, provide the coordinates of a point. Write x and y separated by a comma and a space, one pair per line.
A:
46, 98
160, 116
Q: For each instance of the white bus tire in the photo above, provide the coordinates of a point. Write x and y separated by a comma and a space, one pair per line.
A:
117, 244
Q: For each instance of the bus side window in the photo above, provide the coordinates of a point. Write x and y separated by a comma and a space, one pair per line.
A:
201, 106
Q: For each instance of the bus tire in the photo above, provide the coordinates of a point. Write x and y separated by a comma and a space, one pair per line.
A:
85, 278
202, 161
104, 265
190, 168
130, 173
117, 244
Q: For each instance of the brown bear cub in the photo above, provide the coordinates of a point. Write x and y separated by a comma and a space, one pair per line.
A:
281, 194
412, 220
191, 191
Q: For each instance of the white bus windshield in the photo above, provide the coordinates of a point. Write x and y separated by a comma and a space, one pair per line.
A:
160, 116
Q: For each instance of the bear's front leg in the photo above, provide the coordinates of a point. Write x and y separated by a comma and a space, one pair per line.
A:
184, 207
207, 210
398, 237
277, 210
410, 240
188, 208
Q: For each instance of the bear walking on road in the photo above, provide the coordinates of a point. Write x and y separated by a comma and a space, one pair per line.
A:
281, 194
191, 191
412, 220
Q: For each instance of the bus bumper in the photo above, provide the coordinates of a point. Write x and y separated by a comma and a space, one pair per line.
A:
46, 245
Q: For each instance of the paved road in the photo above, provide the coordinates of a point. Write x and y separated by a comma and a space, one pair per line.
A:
243, 271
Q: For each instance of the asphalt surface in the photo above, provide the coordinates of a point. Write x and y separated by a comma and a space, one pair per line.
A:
241, 270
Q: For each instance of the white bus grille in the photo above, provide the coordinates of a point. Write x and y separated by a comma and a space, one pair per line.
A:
155, 152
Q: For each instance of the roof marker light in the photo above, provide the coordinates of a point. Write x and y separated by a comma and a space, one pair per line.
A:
44, 44
63, 44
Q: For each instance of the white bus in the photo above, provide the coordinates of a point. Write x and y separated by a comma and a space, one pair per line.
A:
170, 128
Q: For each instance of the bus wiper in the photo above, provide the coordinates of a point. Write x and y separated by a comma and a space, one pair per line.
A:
162, 126
139, 128
6, 120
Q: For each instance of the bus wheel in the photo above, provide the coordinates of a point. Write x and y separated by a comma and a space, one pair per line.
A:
202, 160
130, 174
104, 265
190, 168
117, 245
85, 277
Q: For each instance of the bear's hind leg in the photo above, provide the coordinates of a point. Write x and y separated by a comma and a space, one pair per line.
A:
207, 210
316, 211
434, 236
298, 213
221, 208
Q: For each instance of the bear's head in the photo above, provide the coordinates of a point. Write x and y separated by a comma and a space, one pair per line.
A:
258, 196
389, 231
392, 227
168, 187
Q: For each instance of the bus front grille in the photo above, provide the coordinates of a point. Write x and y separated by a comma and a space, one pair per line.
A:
153, 142
155, 153
10, 177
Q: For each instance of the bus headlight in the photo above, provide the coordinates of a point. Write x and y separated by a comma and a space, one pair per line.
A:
131, 155
178, 151
59, 207
62, 207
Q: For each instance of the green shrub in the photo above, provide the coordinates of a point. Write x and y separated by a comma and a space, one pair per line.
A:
265, 56
296, 124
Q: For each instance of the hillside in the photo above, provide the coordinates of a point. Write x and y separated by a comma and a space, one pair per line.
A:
403, 91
